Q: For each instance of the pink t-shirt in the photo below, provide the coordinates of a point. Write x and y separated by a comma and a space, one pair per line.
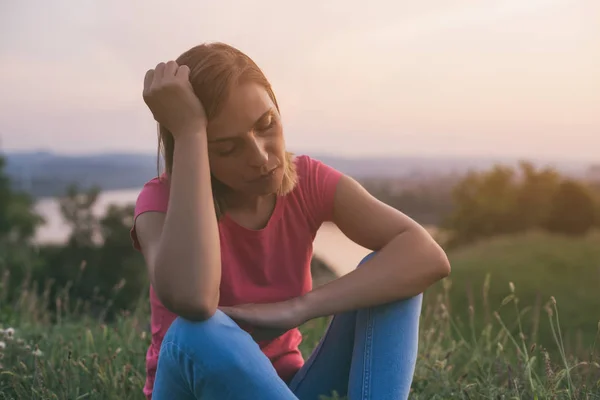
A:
267, 265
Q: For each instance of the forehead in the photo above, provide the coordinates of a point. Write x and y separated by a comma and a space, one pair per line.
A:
243, 106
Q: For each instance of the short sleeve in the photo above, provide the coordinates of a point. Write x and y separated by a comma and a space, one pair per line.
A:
318, 182
154, 196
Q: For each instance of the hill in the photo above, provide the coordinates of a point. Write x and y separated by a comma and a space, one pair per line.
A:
540, 266
48, 174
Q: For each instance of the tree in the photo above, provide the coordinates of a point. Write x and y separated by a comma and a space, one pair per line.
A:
18, 223
484, 205
18, 220
122, 266
77, 209
573, 209
534, 195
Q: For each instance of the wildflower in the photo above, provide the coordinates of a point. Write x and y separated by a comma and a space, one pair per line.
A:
9, 333
2, 345
37, 352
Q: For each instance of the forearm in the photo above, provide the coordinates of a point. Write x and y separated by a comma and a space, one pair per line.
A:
189, 260
405, 267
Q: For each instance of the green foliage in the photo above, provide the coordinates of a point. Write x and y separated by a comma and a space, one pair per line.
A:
573, 209
92, 267
98, 260
77, 210
503, 201
18, 221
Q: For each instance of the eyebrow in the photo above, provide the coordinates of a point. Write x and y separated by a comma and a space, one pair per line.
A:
228, 138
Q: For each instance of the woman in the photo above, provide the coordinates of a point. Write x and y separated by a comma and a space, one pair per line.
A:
227, 237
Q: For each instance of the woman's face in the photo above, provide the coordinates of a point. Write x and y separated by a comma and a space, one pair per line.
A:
245, 142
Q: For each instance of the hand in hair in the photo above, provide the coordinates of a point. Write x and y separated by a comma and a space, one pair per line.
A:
172, 101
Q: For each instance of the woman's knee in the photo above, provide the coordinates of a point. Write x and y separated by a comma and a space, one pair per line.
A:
217, 343
408, 309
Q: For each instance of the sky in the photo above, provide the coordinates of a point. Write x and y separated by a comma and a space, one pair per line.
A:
428, 78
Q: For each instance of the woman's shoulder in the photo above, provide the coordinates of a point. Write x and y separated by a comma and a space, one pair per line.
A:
310, 169
154, 195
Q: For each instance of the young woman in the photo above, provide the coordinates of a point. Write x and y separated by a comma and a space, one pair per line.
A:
227, 235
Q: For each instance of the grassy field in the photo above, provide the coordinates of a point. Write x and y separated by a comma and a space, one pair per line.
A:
492, 332
539, 266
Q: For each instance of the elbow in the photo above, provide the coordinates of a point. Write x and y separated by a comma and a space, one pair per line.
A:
444, 267
193, 305
440, 264
192, 312
434, 260
191, 309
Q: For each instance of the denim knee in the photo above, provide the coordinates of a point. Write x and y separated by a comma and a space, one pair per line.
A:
217, 344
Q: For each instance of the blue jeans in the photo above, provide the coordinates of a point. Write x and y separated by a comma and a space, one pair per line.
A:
369, 354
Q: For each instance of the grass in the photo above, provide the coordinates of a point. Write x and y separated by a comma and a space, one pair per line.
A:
540, 266
466, 351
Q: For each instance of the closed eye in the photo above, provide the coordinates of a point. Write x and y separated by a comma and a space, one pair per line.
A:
266, 124
226, 152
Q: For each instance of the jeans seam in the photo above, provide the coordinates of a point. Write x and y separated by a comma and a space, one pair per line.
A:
368, 350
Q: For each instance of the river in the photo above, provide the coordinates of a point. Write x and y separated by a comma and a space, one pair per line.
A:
331, 245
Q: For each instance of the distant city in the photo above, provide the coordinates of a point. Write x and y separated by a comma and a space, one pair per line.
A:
47, 174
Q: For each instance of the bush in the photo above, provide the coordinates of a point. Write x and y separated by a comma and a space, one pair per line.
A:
504, 201
572, 210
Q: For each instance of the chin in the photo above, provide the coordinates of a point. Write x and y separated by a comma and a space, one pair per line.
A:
269, 186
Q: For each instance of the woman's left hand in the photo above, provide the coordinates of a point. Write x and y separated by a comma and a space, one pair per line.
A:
268, 320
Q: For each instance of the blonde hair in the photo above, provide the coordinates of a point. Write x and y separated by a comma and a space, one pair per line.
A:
214, 68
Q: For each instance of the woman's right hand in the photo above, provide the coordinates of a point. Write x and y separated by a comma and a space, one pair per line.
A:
172, 101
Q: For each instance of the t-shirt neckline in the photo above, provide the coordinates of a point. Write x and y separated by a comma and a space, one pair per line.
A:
273, 219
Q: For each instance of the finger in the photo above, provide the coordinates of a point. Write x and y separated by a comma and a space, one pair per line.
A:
170, 69
148, 79
183, 72
158, 73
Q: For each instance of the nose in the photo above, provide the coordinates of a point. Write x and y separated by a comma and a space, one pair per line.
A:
258, 155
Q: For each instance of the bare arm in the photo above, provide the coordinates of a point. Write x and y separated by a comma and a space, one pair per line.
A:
182, 248
408, 260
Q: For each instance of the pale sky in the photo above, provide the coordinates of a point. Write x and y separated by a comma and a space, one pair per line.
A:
460, 77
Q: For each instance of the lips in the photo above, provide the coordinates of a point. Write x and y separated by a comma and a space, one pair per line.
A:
267, 175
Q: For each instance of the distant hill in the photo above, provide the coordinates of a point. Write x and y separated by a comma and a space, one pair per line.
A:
48, 174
